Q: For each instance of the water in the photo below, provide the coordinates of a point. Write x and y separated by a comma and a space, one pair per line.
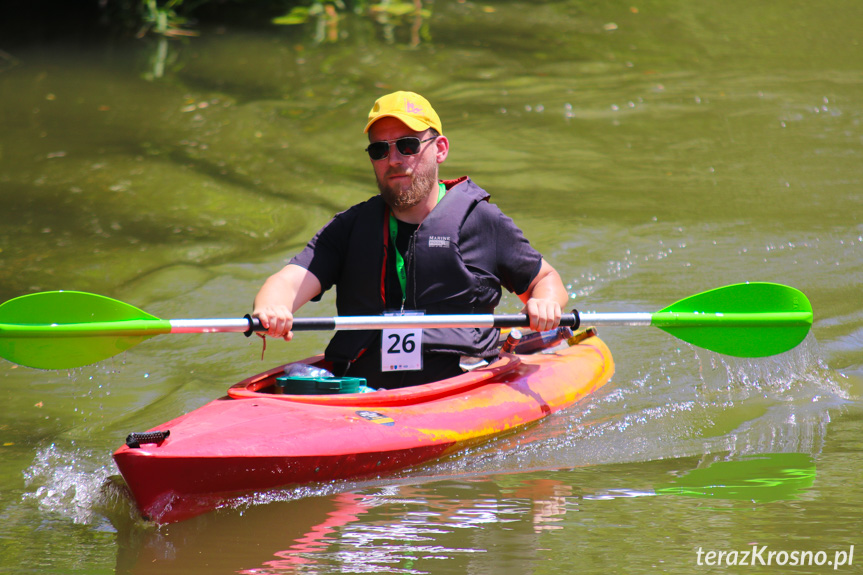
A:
650, 150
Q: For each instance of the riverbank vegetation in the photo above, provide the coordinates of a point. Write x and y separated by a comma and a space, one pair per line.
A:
182, 17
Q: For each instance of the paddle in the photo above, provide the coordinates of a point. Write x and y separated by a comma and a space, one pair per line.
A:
65, 329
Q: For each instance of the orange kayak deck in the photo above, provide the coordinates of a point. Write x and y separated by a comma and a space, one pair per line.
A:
256, 439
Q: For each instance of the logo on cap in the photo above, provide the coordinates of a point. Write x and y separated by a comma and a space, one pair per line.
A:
412, 108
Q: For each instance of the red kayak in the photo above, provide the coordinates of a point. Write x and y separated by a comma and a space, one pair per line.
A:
258, 437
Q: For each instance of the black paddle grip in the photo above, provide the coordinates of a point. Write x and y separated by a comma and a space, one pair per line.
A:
254, 325
521, 320
300, 324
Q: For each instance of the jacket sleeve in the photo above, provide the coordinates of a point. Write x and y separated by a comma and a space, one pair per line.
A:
504, 250
324, 254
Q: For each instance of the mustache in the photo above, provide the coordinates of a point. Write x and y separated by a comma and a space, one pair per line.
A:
408, 172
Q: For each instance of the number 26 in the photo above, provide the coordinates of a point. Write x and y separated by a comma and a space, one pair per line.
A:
399, 345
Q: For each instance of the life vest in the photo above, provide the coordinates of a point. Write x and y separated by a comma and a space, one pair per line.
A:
438, 279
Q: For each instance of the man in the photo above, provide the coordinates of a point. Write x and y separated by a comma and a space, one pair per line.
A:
421, 246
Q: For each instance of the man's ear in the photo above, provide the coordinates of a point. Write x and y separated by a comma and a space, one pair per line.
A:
442, 148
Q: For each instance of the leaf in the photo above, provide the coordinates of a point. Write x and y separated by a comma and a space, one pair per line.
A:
297, 15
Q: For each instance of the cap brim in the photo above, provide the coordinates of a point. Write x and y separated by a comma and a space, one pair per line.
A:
410, 121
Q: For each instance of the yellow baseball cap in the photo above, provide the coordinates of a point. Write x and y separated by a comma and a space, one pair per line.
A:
410, 108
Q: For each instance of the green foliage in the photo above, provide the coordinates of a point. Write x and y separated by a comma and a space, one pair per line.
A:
328, 9
297, 15
399, 8
163, 19
173, 18
327, 13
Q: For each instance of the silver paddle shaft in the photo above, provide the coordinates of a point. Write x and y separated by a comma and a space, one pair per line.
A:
407, 321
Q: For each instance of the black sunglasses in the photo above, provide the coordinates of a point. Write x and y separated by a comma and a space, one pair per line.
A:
407, 146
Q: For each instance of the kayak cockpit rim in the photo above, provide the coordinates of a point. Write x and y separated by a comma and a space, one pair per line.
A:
264, 384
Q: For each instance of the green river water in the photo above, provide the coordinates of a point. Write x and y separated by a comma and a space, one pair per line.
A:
650, 149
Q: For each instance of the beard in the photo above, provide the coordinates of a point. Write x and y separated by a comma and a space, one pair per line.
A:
422, 183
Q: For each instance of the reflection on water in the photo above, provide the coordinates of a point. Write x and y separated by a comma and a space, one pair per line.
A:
758, 478
418, 528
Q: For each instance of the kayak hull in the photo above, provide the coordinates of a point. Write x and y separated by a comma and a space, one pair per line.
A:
255, 439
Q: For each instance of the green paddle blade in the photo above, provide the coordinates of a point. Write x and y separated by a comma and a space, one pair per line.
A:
64, 329
743, 320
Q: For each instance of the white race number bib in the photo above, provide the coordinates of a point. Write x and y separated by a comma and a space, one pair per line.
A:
402, 349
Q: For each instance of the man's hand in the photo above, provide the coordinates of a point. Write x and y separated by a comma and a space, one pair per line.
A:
544, 314
544, 299
281, 295
277, 320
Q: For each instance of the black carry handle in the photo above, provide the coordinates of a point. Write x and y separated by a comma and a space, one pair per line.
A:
135, 439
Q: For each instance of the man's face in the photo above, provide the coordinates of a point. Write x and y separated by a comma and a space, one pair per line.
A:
404, 181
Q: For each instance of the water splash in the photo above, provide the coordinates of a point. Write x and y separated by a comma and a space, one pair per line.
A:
72, 483
686, 402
